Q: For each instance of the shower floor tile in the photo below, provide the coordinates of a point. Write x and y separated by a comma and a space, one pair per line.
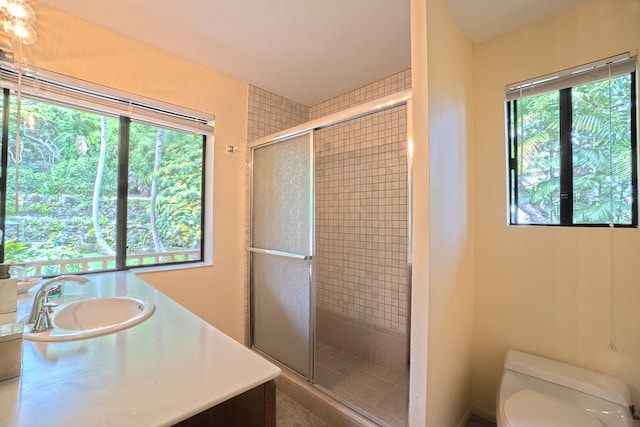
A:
377, 390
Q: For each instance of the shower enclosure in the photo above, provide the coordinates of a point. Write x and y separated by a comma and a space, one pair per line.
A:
329, 268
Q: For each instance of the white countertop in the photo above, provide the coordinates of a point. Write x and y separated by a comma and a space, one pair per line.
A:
159, 372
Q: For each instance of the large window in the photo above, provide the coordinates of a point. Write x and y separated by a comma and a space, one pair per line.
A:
97, 180
572, 147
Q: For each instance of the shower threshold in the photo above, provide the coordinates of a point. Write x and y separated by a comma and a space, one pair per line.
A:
331, 405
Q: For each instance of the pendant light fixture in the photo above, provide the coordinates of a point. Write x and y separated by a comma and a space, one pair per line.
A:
17, 25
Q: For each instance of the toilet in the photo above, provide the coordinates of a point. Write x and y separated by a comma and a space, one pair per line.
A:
539, 392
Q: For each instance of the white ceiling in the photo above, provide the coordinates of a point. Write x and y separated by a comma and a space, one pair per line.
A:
485, 19
304, 50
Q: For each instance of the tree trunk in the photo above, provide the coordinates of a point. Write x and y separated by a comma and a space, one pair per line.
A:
157, 242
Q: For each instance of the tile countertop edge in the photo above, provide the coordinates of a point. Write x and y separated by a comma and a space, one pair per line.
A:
160, 372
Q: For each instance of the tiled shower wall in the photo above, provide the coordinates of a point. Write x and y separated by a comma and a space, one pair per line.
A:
270, 113
361, 223
388, 86
361, 219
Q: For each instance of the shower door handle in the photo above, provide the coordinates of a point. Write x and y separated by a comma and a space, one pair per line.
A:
279, 253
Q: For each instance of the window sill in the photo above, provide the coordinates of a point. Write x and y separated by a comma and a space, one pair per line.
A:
161, 268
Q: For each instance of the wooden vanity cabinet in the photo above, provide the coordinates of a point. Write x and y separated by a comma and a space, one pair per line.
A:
255, 408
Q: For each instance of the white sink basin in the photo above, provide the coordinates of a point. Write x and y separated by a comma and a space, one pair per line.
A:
93, 317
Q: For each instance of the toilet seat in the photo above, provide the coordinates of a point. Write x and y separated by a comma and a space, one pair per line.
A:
528, 408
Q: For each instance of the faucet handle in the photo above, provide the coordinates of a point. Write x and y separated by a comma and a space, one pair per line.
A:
43, 321
49, 306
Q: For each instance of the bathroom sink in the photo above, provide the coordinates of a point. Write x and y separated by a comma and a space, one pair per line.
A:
94, 317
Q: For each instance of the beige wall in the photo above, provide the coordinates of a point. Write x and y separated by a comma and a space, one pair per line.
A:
548, 290
75, 48
451, 275
418, 134
443, 227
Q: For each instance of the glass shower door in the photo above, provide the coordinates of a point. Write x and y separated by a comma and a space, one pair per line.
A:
281, 248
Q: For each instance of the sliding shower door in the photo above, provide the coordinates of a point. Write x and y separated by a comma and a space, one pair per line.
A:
281, 251
361, 263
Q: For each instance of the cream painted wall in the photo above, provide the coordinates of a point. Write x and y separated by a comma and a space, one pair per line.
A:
451, 254
76, 48
549, 290
418, 134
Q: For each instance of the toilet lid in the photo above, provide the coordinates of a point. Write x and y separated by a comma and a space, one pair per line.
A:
528, 408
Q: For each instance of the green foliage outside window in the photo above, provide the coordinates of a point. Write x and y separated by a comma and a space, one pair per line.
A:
601, 162
54, 214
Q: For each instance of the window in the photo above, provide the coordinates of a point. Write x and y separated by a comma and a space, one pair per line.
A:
94, 179
572, 147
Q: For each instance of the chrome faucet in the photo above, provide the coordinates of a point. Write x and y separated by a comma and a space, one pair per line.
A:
41, 307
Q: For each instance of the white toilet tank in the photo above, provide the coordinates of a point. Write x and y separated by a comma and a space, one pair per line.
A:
539, 392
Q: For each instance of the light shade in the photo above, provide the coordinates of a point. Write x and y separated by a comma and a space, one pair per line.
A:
16, 21
23, 33
17, 10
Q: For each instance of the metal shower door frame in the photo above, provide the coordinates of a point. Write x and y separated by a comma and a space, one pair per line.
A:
387, 102
311, 257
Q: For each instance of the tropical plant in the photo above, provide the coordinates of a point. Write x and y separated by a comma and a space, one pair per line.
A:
66, 169
601, 154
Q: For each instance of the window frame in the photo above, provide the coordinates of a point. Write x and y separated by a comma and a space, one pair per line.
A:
127, 108
563, 83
